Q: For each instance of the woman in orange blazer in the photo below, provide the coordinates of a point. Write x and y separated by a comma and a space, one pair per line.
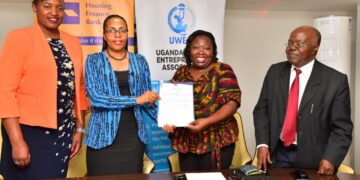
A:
42, 95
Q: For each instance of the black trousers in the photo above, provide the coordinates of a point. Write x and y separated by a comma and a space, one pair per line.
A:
203, 162
284, 156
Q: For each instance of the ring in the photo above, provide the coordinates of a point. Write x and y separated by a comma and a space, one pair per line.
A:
17, 162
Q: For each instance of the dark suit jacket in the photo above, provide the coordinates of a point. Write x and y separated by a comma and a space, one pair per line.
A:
324, 129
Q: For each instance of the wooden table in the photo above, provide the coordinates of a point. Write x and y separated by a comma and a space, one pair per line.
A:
277, 173
285, 174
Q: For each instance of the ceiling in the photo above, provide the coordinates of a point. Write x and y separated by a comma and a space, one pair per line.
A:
279, 5
293, 5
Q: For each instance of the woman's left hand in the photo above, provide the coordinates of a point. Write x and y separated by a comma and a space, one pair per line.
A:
169, 128
198, 124
76, 143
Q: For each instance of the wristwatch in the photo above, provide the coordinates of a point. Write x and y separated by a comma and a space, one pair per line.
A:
80, 130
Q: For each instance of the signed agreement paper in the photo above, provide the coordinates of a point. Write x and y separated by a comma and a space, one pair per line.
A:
176, 104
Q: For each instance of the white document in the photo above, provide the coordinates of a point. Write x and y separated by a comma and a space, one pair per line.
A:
207, 176
176, 104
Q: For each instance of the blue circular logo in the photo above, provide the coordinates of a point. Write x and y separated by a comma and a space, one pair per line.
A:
181, 19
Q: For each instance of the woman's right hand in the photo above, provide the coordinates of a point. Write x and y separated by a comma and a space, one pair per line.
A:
20, 149
169, 128
21, 154
147, 97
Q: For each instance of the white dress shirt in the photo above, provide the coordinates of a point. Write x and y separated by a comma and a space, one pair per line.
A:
303, 79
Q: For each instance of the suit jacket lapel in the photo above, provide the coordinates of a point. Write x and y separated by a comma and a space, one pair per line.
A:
312, 86
284, 87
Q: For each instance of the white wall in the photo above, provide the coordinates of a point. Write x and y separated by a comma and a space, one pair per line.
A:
356, 131
253, 41
14, 15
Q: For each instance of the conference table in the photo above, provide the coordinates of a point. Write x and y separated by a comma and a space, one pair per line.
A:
276, 173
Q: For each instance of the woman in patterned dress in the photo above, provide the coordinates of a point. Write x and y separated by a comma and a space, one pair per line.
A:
207, 143
119, 88
42, 95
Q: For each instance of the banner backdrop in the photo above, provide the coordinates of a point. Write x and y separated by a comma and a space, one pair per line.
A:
84, 19
162, 30
163, 27
159, 147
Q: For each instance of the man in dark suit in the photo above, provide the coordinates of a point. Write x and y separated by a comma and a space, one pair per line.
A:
302, 118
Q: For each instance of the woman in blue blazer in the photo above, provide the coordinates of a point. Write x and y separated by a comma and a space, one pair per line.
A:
119, 88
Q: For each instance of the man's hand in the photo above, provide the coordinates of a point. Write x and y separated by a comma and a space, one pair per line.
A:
326, 167
263, 156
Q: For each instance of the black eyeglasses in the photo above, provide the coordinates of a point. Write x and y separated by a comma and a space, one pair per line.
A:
298, 44
114, 31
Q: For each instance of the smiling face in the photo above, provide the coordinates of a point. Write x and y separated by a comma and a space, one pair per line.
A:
201, 52
116, 34
50, 14
302, 46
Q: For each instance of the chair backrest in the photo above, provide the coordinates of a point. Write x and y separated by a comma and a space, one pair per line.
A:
77, 164
346, 169
148, 164
241, 153
0, 137
174, 162
0, 147
254, 160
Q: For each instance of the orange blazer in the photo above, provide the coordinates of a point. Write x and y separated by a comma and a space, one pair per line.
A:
28, 77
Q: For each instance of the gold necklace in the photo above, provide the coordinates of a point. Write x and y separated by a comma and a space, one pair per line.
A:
117, 59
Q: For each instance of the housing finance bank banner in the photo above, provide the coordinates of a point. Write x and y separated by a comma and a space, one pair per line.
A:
84, 19
163, 27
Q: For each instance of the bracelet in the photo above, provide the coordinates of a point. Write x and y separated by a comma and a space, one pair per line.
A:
80, 130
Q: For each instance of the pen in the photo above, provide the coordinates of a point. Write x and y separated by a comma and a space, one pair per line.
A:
312, 107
